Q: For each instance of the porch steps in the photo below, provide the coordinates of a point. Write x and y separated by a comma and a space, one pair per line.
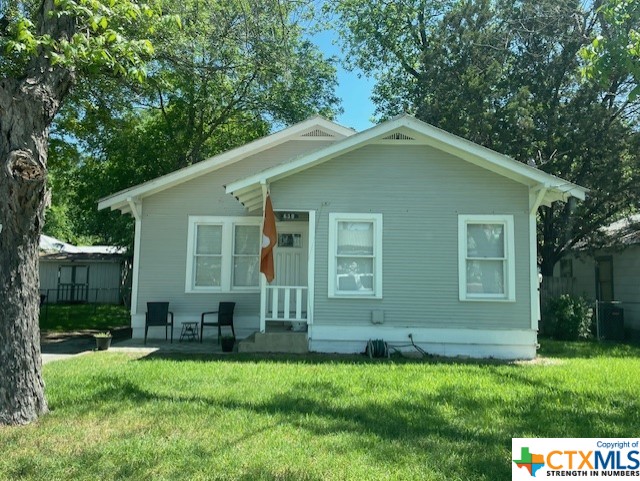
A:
282, 342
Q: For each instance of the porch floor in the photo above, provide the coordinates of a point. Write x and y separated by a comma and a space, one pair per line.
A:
275, 340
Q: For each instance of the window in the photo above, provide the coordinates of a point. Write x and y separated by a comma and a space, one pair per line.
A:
486, 257
246, 255
208, 256
355, 255
222, 254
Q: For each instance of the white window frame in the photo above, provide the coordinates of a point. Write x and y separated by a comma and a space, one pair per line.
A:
376, 219
226, 272
510, 268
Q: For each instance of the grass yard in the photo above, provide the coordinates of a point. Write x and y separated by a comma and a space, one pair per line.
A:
116, 416
73, 317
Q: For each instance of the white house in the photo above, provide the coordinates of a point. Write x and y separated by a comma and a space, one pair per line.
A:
402, 229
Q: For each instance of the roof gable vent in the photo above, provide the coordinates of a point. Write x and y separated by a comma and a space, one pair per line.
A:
317, 133
398, 136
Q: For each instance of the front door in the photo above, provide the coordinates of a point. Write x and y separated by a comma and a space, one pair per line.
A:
286, 298
291, 254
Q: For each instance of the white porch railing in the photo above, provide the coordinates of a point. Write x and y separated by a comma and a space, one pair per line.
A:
283, 303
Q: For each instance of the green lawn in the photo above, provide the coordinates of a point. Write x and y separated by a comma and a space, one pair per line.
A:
115, 416
72, 317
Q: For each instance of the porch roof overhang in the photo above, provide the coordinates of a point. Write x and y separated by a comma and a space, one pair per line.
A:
407, 129
122, 200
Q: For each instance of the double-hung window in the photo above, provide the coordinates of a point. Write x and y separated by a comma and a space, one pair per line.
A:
486, 257
208, 256
246, 253
223, 254
355, 255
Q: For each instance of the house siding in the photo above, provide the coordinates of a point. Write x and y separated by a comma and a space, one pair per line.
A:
420, 191
164, 230
626, 280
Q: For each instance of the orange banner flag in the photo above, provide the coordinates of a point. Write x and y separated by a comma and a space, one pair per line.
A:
269, 239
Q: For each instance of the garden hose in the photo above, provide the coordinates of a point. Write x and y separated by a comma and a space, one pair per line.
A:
377, 348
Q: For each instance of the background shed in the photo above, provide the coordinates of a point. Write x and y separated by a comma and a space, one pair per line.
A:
78, 274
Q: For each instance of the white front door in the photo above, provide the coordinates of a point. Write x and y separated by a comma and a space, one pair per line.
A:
291, 254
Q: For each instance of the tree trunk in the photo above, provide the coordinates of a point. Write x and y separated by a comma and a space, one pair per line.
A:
27, 108
548, 262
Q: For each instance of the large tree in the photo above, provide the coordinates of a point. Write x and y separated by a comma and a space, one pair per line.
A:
505, 74
234, 71
615, 49
46, 45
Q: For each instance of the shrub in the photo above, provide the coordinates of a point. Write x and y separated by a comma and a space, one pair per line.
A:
568, 318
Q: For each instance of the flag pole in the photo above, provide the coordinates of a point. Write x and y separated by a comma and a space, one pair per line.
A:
263, 278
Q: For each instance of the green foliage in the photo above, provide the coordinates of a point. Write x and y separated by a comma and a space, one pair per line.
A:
568, 318
614, 54
85, 36
118, 416
506, 75
74, 317
232, 73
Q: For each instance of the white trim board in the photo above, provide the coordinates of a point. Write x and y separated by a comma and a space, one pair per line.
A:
510, 258
556, 188
376, 220
479, 343
227, 225
118, 201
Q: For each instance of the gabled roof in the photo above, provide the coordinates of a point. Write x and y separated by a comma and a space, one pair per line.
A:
315, 127
408, 130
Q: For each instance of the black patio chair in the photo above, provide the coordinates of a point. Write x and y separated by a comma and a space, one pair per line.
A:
225, 318
158, 314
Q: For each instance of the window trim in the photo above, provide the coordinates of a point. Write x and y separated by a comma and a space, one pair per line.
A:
226, 272
334, 219
510, 272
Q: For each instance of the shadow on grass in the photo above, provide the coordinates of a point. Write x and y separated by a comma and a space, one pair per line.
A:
68, 345
446, 426
548, 348
315, 358
423, 428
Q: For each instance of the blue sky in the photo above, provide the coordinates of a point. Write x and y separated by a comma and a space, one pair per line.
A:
354, 90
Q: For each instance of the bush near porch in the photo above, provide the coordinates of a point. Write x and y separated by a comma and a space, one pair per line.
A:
123, 416
568, 318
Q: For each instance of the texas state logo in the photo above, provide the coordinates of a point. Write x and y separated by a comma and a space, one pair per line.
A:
575, 458
530, 461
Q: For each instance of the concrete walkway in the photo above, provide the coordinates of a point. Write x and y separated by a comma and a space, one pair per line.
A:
70, 345
58, 346
166, 347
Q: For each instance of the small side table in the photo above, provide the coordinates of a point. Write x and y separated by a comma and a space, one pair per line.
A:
189, 331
